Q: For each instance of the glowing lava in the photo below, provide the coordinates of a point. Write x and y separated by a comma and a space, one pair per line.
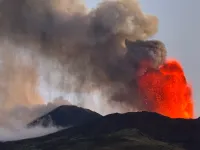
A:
166, 91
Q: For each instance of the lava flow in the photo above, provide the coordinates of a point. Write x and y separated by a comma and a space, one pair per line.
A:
166, 91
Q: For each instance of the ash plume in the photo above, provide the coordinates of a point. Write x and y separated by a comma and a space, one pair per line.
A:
92, 48
20, 97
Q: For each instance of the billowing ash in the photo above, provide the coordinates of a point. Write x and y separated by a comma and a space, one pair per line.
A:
98, 49
91, 46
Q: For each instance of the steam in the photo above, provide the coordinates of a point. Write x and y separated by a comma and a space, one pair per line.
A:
20, 99
86, 51
24, 133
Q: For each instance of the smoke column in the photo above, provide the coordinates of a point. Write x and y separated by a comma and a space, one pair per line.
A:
105, 49
89, 45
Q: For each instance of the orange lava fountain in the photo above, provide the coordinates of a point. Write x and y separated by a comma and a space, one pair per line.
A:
166, 91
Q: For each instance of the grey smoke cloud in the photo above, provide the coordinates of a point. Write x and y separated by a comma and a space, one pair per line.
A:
87, 51
89, 45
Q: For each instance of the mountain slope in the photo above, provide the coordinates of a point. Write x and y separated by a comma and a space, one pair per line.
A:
65, 116
118, 131
125, 139
175, 131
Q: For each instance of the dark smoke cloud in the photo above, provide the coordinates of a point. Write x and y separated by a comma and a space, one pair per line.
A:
146, 50
89, 45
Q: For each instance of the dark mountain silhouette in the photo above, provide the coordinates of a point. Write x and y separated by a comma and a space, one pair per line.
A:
65, 116
130, 139
119, 131
175, 131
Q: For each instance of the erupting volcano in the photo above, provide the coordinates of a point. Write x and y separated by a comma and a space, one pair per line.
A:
166, 91
81, 51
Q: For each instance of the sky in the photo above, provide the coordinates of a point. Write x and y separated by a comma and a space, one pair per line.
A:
179, 29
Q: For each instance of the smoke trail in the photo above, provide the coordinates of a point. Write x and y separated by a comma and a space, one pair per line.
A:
89, 45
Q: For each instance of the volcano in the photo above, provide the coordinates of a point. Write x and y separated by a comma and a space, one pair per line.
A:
65, 116
138, 130
105, 49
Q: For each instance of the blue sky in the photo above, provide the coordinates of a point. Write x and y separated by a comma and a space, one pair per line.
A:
179, 30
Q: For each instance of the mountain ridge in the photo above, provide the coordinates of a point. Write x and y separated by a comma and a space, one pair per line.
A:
65, 116
183, 133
